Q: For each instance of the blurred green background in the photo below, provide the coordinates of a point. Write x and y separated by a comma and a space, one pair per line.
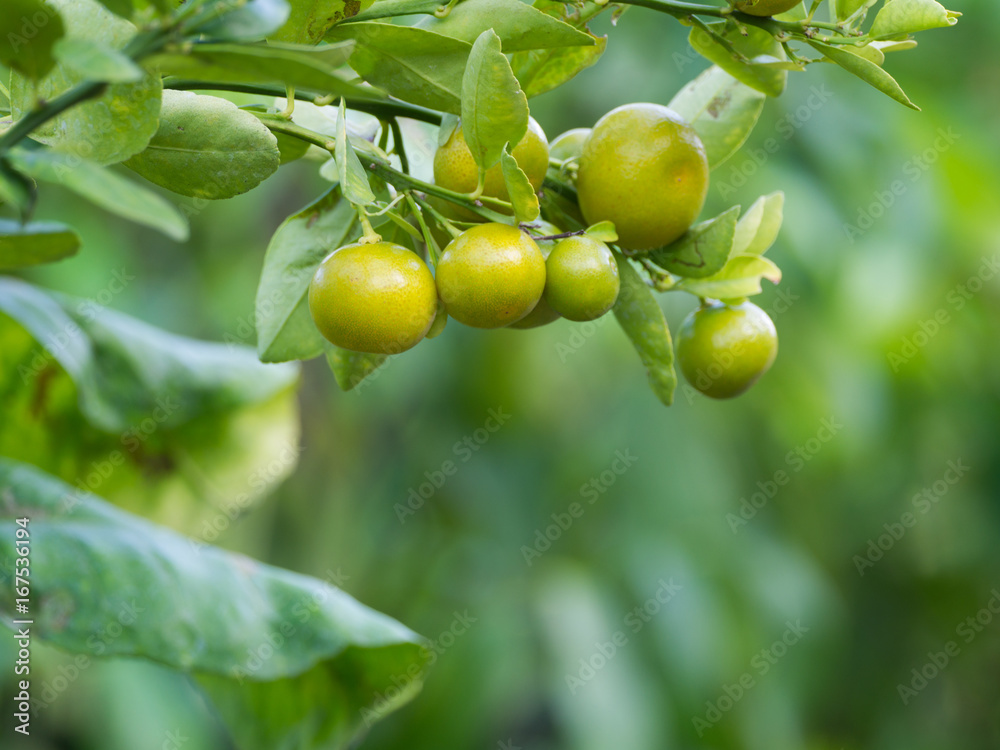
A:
523, 665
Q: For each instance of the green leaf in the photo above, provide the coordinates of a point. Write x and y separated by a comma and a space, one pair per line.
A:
353, 177
125, 116
201, 610
721, 109
494, 109
869, 52
843, 9
519, 26
740, 278
522, 195
309, 68
412, 64
16, 190
207, 147
758, 47
351, 368
285, 330
247, 21
639, 315
123, 8
604, 231
759, 227
393, 8
901, 17
539, 71
104, 188
29, 29
701, 251
309, 20
35, 243
866, 70
96, 62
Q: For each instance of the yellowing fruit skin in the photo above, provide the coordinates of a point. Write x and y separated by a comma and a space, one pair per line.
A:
378, 298
581, 279
723, 350
490, 276
455, 169
765, 7
645, 169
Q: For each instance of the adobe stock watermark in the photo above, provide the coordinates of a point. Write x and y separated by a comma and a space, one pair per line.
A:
461, 452
955, 300
634, 621
795, 461
913, 169
761, 663
966, 631
923, 502
591, 491
739, 173
405, 682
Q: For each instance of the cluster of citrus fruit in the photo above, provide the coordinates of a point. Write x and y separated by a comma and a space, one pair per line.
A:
641, 167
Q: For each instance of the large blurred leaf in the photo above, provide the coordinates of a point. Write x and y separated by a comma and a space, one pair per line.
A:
309, 20
759, 227
304, 67
353, 177
207, 147
248, 20
519, 26
285, 330
763, 53
202, 610
640, 316
35, 243
412, 64
542, 70
26, 45
105, 188
105, 130
866, 70
494, 109
95, 61
901, 17
721, 109
701, 251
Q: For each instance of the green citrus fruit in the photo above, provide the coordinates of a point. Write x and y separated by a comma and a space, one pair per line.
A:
765, 7
724, 349
455, 169
378, 298
568, 145
541, 314
581, 278
645, 169
490, 276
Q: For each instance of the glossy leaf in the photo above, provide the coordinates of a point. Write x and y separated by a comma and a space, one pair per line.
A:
639, 315
247, 21
303, 67
392, 8
412, 64
843, 9
202, 610
351, 368
494, 109
703, 250
758, 47
866, 70
35, 243
105, 188
123, 8
901, 17
519, 26
309, 20
740, 278
206, 147
604, 231
721, 109
25, 45
96, 62
285, 330
125, 115
539, 71
522, 194
353, 177
759, 227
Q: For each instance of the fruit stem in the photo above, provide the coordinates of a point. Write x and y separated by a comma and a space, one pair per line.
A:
369, 236
560, 236
440, 219
289, 109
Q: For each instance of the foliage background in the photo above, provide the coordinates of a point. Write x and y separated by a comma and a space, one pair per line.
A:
665, 517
